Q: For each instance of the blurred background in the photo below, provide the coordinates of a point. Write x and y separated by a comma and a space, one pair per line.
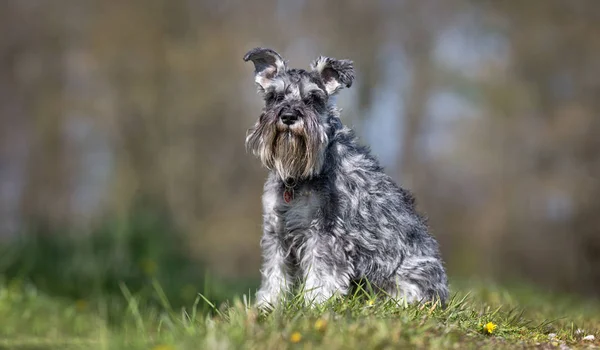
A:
122, 127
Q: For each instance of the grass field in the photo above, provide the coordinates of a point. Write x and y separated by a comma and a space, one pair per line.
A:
479, 316
129, 286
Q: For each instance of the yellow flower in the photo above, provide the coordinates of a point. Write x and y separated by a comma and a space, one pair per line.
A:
296, 337
149, 267
81, 305
163, 347
371, 302
320, 325
489, 328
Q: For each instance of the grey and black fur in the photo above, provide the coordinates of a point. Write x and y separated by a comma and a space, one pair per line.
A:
331, 215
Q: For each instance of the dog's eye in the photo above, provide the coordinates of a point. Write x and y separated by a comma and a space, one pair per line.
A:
273, 97
316, 98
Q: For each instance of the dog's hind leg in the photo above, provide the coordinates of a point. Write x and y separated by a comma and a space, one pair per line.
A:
419, 279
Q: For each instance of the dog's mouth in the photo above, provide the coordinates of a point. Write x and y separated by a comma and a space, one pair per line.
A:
293, 150
287, 136
294, 129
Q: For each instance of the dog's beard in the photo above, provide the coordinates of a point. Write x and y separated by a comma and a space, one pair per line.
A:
292, 151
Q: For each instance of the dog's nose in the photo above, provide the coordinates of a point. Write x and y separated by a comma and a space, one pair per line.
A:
288, 118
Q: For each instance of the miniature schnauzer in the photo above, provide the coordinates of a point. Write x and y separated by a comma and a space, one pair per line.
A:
332, 217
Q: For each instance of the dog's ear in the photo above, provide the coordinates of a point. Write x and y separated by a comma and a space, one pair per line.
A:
335, 74
267, 65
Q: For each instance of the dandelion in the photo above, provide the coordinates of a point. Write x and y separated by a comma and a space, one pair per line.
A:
149, 267
371, 302
163, 347
81, 305
489, 328
320, 325
296, 337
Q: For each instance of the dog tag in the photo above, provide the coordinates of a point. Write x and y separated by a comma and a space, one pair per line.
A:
287, 196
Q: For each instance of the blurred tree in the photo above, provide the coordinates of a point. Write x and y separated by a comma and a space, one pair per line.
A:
153, 98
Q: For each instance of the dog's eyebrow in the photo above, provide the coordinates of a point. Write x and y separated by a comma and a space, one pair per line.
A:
308, 86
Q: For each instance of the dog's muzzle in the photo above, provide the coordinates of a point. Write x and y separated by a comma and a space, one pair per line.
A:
288, 117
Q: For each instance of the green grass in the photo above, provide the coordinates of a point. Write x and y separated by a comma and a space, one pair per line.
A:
131, 284
524, 316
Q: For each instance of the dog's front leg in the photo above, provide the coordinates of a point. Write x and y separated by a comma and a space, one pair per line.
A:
276, 279
326, 272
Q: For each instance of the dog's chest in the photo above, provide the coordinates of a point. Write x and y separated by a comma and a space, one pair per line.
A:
296, 211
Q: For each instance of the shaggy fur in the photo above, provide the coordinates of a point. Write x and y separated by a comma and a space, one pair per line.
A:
331, 215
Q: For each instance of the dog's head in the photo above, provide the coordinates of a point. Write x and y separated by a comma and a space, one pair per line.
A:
290, 136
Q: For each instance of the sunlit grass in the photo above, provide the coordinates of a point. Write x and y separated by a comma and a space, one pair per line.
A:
476, 316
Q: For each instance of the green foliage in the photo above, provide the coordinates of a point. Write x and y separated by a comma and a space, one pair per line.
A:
94, 266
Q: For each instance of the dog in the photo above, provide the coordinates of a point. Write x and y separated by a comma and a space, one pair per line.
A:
331, 216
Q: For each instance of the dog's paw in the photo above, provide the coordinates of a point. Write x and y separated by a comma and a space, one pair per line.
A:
318, 296
266, 301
